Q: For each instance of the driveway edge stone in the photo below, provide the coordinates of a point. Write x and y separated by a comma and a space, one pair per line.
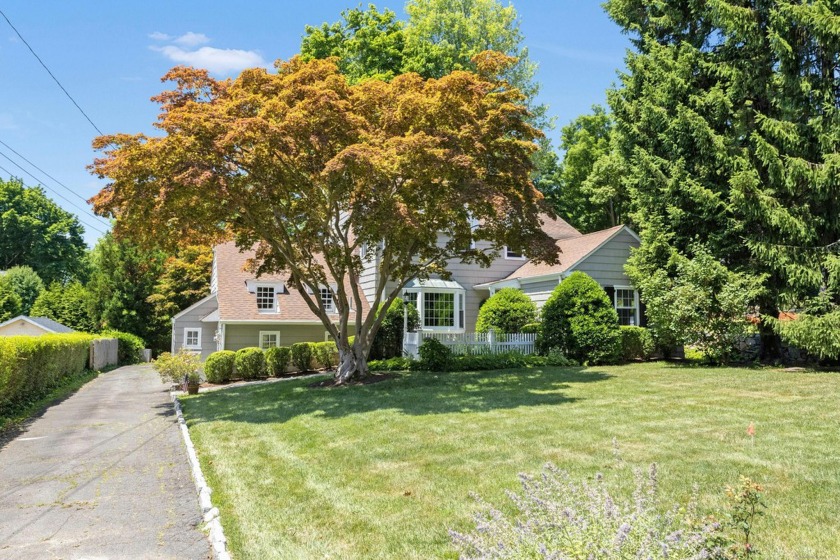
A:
213, 526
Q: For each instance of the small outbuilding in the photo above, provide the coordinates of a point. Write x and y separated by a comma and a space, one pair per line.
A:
32, 326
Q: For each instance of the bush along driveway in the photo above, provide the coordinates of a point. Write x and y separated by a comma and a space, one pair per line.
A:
101, 475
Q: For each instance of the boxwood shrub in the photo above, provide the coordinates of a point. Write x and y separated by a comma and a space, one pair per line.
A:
302, 356
326, 354
218, 368
637, 343
507, 311
250, 363
277, 360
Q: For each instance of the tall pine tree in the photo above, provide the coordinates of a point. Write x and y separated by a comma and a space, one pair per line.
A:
728, 121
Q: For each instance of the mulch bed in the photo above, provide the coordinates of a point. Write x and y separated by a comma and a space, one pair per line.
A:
369, 380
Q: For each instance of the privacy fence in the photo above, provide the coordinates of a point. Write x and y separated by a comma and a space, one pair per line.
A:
473, 343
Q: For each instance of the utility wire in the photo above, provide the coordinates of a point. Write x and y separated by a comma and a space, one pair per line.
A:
21, 156
54, 192
70, 97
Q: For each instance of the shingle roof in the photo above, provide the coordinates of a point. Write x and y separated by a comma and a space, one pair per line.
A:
559, 228
43, 322
236, 303
572, 250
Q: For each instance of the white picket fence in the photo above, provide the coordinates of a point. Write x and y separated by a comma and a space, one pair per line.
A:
473, 343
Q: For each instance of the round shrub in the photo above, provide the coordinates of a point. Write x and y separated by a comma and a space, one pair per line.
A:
250, 363
302, 356
580, 321
326, 354
434, 355
277, 360
507, 311
219, 366
636, 343
531, 328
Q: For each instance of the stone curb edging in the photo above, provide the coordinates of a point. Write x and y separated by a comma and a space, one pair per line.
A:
215, 534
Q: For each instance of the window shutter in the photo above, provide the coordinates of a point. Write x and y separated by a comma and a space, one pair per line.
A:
642, 313
611, 294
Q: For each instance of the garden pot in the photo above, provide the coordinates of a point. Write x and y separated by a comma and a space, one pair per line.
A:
192, 389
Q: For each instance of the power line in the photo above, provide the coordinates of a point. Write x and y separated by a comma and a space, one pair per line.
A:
71, 191
53, 191
70, 97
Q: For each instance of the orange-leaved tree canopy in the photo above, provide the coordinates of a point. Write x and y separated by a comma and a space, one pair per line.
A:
309, 168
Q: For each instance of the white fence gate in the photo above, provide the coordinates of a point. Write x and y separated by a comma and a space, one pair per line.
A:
473, 343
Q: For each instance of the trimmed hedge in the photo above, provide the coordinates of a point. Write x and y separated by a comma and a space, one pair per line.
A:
637, 343
481, 362
30, 366
129, 346
507, 311
219, 366
302, 356
277, 360
250, 363
326, 354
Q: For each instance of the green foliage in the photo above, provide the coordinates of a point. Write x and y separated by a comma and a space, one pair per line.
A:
325, 354
696, 301
129, 346
507, 311
579, 320
595, 518
24, 282
589, 190
389, 338
302, 356
122, 279
66, 303
176, 368
218, 367
277, 359
477, 362
32, 365
531, 328
400, 363
10, 304
819, 335
250, 363
637, 343
727, 122
184, 280
368, 43
36, 232
746, 505
434, 355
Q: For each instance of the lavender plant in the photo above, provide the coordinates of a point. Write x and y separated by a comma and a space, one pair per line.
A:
561, 519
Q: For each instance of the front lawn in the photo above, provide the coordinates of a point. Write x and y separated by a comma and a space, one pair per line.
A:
384, 470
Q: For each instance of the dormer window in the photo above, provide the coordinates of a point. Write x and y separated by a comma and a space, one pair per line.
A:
266, 299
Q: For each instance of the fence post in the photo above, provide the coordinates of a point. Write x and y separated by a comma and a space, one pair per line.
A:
491, 339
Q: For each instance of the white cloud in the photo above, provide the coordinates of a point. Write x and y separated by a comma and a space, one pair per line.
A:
158, 36
190, 39
217, 61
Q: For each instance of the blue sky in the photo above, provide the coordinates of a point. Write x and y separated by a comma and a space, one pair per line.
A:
110, 57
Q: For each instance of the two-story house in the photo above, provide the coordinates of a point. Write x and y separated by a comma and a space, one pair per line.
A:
243, 310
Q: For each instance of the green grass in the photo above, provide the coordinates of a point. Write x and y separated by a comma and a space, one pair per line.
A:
383, 471
12, 419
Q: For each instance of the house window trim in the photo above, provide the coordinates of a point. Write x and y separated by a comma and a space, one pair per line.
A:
260, 341
194, 346
272, 311
417, 296
521, 256
332, 309
636, 307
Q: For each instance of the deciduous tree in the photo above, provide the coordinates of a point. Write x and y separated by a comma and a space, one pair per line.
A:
309, 167
69, 304
24, 282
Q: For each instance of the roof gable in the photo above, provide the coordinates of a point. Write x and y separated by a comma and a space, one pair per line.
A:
43, 323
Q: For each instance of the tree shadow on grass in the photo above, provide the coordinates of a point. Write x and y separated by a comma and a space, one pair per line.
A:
415, 393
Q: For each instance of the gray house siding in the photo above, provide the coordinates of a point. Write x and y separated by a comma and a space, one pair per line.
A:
246, 336
606, 265
192, 319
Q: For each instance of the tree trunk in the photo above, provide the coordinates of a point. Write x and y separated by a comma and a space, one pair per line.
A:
352, 362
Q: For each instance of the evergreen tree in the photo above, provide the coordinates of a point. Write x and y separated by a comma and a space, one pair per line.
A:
68, 304
24, 282
727, 122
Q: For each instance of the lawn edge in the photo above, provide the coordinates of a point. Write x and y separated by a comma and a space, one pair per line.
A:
213, 525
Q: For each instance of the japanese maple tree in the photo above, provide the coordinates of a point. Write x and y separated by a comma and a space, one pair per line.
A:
308, 167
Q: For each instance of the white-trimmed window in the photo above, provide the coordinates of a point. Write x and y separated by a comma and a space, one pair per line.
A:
438, 309
513, 255
269, 339
192, 339
266, 299
328, 300
627, 305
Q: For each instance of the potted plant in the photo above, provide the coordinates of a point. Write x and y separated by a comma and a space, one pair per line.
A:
193, 381
181, 369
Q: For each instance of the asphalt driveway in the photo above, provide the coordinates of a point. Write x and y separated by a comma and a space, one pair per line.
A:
102, 475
